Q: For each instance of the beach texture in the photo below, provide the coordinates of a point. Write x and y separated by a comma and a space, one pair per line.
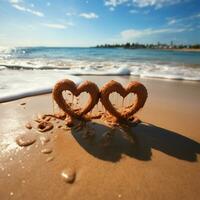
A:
161, 161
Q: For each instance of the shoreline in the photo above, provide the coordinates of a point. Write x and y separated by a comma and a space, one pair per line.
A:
183, 50
166, 49
48, 90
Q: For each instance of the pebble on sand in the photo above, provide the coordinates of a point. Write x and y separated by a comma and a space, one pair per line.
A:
28, 125
25, 140
68, 175
46, 150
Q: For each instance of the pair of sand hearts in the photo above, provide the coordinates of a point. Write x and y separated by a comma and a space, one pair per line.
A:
103, 94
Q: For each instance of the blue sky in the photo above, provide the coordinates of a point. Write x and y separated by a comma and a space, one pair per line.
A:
92, 22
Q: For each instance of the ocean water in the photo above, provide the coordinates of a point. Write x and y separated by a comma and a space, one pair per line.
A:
33, 70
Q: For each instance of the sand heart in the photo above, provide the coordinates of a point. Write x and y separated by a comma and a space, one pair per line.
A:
68, 85
133, 87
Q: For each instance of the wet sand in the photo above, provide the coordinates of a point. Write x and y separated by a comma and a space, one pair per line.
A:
158, 159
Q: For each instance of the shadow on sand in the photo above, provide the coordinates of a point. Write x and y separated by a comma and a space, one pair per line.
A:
145, 137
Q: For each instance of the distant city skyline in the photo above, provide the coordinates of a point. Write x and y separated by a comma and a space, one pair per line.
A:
82, 23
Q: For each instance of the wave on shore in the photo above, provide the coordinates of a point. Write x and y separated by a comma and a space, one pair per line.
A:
174, 71
19, 84
34, 70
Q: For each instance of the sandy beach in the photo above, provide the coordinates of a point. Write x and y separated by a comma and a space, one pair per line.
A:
161, 161
186, 50
181, 49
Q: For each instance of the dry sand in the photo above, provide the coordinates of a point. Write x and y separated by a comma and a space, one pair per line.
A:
161, 163
184, 49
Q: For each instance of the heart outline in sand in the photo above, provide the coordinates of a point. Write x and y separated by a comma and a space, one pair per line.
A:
68, 85
133, 87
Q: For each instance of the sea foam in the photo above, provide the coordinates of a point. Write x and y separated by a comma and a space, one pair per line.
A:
16, 84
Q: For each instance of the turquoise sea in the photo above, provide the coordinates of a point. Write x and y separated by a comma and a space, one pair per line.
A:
114, 55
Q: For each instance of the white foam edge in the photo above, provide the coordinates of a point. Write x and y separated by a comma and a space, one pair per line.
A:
170, 77
31, 92
108, 72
